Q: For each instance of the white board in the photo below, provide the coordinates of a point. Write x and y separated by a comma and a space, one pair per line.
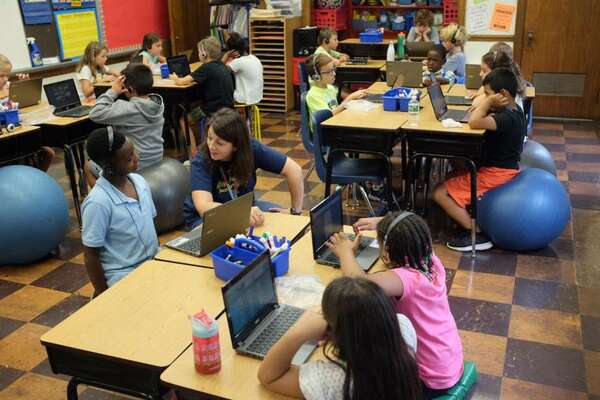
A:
474, 50
479, 14
13, 45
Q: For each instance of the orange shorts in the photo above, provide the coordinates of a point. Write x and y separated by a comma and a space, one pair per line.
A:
488, 178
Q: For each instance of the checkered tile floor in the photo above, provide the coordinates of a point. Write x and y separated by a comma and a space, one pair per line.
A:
530, 321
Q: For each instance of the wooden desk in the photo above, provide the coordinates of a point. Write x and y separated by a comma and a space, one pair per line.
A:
69, 134
355, 48
23, 142
355, 41
290, 226
460, 90
127, 336
385, 121
359, 73
238, 376
371, 64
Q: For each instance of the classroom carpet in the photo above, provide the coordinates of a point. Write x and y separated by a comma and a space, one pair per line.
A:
530, 321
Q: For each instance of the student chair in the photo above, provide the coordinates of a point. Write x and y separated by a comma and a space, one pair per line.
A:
461, 389
334, 167
306, 133
252, 113
303, 74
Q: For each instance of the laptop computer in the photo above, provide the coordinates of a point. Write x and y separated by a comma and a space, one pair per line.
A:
219, 224
179, 65
472, 78
27, 92
326, 218
440, 108
458, 100
256, 320
418, 49
65, 99
402, 73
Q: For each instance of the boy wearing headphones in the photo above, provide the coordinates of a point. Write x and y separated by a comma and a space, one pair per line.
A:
453, 39
140, 119
323, 95
118, 231
328, 42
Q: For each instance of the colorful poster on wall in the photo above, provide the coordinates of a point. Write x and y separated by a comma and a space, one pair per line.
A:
76, 28
502, 17
478, 16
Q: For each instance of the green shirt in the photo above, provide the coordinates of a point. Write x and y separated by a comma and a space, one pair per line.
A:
319, 98
331, 53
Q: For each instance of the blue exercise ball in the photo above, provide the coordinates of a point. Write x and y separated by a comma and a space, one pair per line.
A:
536, 155
526, 213
34, 214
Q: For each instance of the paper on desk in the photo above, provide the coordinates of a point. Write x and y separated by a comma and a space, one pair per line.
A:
360, 105
301, 291
450, 123
38, 116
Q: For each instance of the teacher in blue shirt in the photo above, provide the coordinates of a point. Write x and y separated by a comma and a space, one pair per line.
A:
118, 214
225, 168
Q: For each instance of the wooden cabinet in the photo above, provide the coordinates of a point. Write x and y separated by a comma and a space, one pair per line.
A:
271, 40
189, 22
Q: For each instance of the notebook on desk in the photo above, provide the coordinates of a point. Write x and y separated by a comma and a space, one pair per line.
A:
403, 73
65, 99
256, 319
326, 218
179, 65
440, 108
219, 224
27, 92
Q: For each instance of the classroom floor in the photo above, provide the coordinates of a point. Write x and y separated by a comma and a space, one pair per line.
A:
531, 322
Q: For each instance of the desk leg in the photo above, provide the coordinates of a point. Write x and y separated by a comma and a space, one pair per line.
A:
72, 389
70, 167
79, 161
74, 382
473, 169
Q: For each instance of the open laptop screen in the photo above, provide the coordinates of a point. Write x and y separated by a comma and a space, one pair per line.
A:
325, 220
249, 297
62, 94
438, 102
179, 65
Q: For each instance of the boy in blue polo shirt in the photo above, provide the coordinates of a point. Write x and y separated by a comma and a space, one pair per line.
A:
118, 215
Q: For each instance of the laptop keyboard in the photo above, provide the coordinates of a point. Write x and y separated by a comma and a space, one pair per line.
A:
364, 243
193, 246
276, 328
76, 112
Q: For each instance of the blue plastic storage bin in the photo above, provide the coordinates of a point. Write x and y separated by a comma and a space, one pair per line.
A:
9, 117
227, 269
404, 2
371, 36
397, 99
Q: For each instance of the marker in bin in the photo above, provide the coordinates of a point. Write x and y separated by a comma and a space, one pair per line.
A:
259, 244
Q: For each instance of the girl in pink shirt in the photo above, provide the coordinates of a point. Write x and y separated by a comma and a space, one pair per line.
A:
417, 280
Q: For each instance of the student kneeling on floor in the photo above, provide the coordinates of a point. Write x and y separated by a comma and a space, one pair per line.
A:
118, 214
225, 168
505, 127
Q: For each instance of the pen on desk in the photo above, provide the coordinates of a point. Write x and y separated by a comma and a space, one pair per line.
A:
450, 87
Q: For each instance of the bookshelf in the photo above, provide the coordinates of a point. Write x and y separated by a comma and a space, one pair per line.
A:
390, 9
271, 41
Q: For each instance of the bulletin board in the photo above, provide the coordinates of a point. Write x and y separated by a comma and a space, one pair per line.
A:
491, 17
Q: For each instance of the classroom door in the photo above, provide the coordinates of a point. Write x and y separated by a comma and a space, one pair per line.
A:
560, 56
189, 21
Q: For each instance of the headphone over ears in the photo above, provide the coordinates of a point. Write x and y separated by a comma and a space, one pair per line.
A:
395, 222
201, 52
453, 39
315, 75
107, 168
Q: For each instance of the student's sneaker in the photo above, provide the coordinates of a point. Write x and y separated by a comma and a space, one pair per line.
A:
463, 242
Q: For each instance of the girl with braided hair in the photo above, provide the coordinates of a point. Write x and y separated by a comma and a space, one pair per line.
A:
416, 280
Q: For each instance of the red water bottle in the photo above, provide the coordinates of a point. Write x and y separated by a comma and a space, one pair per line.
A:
207, 349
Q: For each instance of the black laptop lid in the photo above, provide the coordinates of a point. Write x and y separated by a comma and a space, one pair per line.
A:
179, 65
249, 298
62, 95
325, 219
438, 102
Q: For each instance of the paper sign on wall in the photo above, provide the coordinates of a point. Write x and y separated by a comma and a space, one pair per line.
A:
76, 28
502, 17
478, 16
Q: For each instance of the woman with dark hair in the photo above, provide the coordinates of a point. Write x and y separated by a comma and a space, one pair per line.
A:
416, 280
118, 214
367, 346
225, 168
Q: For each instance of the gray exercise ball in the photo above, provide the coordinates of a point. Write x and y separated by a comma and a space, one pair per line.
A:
169, 183
535, 155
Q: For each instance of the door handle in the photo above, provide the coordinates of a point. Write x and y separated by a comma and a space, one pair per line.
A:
529, 39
